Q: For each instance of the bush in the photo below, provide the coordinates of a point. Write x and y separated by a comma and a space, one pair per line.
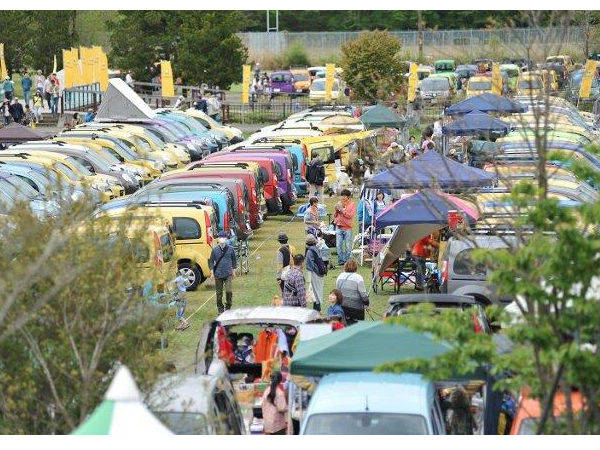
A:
295, 56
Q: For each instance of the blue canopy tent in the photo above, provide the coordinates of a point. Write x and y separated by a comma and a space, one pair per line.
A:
431, 169
476, 123
485, 103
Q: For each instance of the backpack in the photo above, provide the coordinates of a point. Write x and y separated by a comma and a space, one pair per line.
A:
321, 267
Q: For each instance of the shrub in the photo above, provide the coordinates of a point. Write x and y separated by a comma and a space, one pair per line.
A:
295, 56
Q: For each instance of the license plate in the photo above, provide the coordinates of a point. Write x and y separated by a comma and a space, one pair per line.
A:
298, 90
276, 90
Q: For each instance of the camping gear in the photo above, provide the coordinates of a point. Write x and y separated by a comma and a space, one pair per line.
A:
431, 169
486, 102
122, 412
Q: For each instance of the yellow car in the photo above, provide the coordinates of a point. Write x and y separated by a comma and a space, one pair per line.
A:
232, 133
478, 85
301, 80
530, 85
193, 233
64, 168
317, 91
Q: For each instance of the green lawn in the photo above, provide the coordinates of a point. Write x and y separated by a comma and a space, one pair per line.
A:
256, 288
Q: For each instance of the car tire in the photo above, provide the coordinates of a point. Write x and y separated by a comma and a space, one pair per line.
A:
192, 273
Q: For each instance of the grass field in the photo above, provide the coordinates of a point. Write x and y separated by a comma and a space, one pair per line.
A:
256, 288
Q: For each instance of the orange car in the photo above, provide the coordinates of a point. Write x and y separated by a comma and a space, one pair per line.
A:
529, 411
301, 80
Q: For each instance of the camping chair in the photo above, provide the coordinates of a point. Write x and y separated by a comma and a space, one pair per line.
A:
403, 271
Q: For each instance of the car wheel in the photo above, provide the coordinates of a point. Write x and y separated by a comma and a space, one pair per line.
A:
192, 275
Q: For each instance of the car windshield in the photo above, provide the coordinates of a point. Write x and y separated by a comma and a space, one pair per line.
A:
530, 84
78, 166
143, 143
300, 77
435, 84
8, 189
22, 187
189, 423
191, 124
163, 133
66, 171
110, 155
444, 67
555, 60
480, 85
98, 161
318, 85
511, 72
365, 423
281, 78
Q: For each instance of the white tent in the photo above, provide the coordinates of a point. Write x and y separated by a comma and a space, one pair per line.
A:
122, 412
121, 102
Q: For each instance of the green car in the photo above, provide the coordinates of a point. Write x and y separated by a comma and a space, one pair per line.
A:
444, 65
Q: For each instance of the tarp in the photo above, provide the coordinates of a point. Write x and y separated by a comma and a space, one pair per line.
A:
337, 141
431, 170
381, 116
485, 103
15, 132
425, 207
122, 412
121, 102
352, 349
475, 123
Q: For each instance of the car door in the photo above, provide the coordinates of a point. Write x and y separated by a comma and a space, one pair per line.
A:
205, 348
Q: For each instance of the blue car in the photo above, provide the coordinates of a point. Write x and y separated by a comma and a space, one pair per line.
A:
194, 128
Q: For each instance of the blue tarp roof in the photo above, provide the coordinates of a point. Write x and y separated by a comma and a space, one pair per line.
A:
431, 170
475, 123
485, 103
423, 207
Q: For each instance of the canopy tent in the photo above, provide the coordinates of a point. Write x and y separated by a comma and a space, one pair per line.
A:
431, 169
476, 123
485, 103
121, 102
15, 133
351, 349
381, 116
122, 412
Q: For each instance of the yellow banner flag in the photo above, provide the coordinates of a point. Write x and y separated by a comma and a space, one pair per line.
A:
496, 79
245, 84
77, 67
3, 69
589, 72
166, 78
103, 71
68, 68
329, 73
86, 67
413, 81
97, 59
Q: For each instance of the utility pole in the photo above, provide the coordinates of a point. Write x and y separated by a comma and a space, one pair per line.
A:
420, 35
276, 27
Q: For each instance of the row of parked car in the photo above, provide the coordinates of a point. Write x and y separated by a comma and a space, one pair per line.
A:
309, 81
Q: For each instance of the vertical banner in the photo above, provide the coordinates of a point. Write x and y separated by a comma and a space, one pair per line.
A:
97, 57
103, 71
54, 65
77, 68
3, 68
588, 76
86, 73
329, 73
68, 68
496, 79
413, 81
245, 84
166, 77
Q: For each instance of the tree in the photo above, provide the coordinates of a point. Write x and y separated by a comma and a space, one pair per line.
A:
210, 51
74, 316
373, 68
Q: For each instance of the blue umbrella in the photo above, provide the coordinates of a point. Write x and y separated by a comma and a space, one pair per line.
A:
485, 103
431, 170
475, 123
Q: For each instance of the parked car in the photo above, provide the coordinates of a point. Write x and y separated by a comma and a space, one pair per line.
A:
282, 82
301, 80
435, 89
374, 404
479, 84
463, 276
317, 91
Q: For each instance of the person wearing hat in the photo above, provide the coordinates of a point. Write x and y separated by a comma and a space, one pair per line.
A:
316, 269
223, 263
393, 155
284, 257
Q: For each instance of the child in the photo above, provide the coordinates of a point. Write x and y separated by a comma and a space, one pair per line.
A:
335, 310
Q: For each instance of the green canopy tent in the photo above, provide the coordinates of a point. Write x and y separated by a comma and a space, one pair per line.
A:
381, 116
362, 347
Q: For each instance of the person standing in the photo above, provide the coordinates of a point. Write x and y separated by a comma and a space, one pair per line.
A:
315, 176
421, 250
129, 79
48, 91
38, 106
294, 293
6, 112
274, 406
26, 84
352, 286
317, 269
55, 94
40, 81
9, 88
345, 210
181, 302
311, 216
223, 263
284, 258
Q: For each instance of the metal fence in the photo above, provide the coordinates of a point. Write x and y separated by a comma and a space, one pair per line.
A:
436, 43
81, 98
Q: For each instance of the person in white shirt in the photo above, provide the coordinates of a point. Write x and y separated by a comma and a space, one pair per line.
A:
129, 80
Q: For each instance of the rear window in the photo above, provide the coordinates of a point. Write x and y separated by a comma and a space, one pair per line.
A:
464, 264
189, 423
366, 423
480, 85
300, 77
186, 228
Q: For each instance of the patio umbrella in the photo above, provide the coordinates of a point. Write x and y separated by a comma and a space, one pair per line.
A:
122, 412
485, 103
476, 123
431, 169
